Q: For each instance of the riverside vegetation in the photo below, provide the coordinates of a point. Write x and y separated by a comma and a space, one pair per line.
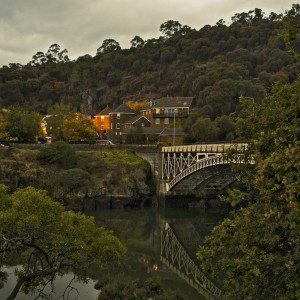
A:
71, 176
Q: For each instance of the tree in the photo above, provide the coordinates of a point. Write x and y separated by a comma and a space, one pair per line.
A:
221, 23
137, 42
23, 125
225, 127
79, 127
204, 130
53, 55
109, 45
50, 240
59, 153
170, 28
58, 113
256, 249
3, 125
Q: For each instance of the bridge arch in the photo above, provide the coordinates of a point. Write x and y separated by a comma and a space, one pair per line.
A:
206, 162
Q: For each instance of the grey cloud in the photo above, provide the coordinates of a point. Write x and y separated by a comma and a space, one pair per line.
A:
28, 26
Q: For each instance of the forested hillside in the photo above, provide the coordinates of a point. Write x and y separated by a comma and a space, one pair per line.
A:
216, 64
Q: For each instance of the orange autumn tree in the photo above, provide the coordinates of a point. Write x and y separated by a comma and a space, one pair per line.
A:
79, 127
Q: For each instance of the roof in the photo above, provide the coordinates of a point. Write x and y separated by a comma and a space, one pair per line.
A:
145, 130
123, 109
104, 111
135, 119
171, 102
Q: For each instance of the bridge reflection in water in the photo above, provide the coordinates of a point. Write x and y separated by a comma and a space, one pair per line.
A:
154, 250
174, 255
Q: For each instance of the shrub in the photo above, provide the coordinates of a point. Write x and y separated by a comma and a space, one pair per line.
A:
59, 153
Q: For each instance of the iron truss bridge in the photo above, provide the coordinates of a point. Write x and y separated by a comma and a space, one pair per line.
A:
178, 162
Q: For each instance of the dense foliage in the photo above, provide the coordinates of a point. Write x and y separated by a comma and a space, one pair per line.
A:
59, 153
256, 249
71, 176
20, 125
216, 64
49, 240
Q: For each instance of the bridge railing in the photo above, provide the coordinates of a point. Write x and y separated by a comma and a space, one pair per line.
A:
207, 148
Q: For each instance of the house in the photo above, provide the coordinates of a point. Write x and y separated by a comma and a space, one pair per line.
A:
102, 122
137, 121
118, 118
162, 112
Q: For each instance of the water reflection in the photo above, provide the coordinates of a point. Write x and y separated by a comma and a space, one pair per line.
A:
140, 231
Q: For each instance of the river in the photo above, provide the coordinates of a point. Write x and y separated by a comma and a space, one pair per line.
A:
139, 230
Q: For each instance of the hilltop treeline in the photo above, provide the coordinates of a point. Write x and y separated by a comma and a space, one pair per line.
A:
216, 64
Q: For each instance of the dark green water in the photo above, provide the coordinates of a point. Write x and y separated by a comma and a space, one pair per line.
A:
139, 230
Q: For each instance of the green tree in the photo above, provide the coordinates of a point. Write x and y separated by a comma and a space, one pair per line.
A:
170, 28
204, 130
256, 249
226, 128
59, 153
109, 45
50, 240
79, 127
23, 125
58, 113
137, 42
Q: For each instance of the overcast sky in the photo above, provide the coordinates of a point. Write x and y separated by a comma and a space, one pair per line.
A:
28, 26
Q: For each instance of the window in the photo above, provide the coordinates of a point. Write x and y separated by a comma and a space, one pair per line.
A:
110, 125
118, 116
176, 111
102, 127
158, 110
157, 121
118, 126
116, 133
166, 121
102, 118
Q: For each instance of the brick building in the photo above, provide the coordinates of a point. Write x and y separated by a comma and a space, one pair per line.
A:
102, 122
118, 118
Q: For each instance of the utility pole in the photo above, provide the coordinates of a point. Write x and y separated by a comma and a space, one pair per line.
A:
174, 128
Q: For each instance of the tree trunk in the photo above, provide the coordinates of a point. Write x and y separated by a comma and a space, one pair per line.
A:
23, 279
16, 289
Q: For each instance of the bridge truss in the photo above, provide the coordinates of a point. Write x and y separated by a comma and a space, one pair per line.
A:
179, 162
177, 259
